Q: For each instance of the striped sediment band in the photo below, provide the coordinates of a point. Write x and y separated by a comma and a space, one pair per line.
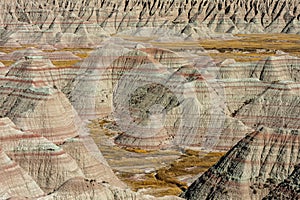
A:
32, 151
267, 154
270, 69
15, 181
42, 110
40, 153
42, 72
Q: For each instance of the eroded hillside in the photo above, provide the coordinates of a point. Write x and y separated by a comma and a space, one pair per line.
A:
152, 93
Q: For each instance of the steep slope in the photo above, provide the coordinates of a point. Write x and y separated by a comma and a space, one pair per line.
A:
149, 110
274, 68
15, 181
266, 79
279, 112
34, 102
251, 168
48, 164
156, 109
288, 189
29, 98
39, 157
41, 110
36, 168
35, 65
69, 23
92, 164
93, 85
3, 69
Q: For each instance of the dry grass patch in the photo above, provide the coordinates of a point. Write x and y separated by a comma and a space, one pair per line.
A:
101, 125
241, 57
136, 150
180, 44
102, 122
80, 52
250, 43
191, 163
82, 55
71, 49
77, 49
165, 180
64, 63
157, 187
244, 47
137, 38
7, 63
162, 177
10, 49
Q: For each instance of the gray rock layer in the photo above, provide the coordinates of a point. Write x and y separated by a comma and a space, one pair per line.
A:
288, 189
252, 168
81, 23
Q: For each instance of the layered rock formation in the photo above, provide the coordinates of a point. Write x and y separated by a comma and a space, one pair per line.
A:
92, 164
30, 98
36, 167
3, 69
235, 98
164, 103
39, 109
155, 95
51, 155
19, 183
158, 98
288, 189
273, 68
259, 83
91, 91
79, 188
262, 95
53, 164
37, 67
68, 23
250, 169
32, 151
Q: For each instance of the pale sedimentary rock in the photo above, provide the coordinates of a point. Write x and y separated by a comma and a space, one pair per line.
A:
80, 188
3, 69
288, 189
33, 167
34, 52
264, 93
38, 69
68, 23
93, 166
158, 97
91, 91
42, 110
39, 157
252, 168
47, 163
274, 68
31, 99
15, 181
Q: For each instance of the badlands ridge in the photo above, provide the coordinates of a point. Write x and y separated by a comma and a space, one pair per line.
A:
139, 65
